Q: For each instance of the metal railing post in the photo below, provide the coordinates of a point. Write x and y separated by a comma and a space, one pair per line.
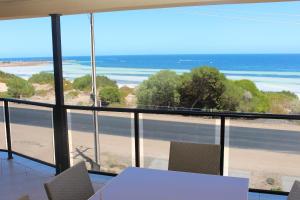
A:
7, 128
137, 139
222, 143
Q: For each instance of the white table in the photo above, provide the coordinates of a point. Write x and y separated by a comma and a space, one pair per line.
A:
148, 184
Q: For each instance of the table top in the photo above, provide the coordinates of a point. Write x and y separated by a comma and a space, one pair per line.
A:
149, 184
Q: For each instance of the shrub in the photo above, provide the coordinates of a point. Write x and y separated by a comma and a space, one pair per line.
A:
159, 90
231, 98
248, 86
18, 88
84, 83
42, 78
253, 99
202, 88
4, 77
110, 94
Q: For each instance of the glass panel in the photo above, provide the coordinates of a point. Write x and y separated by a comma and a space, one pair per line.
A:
264, 150
81, 138
159, 130
2, 128
32, 131
114, 138
115, 141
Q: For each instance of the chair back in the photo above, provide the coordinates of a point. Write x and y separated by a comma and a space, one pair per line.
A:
197, 158
72, 184
295, 191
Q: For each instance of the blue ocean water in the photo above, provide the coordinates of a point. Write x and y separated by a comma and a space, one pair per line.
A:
234, 62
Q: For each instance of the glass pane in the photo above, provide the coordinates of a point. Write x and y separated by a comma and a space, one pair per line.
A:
115, 141
114, 137
264, 150
159, 130
81, 138
32, 131
2, 128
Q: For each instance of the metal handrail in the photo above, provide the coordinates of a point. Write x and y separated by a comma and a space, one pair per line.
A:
188, 112
33, 103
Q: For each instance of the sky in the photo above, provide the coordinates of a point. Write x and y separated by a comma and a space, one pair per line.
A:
222, 29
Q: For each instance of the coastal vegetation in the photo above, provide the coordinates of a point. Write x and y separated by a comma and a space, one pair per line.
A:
203, 88
84, 83
18, 88
42, 78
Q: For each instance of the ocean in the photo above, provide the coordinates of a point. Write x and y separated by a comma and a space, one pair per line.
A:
270, 72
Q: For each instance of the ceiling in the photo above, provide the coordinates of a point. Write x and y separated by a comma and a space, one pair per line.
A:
14, 9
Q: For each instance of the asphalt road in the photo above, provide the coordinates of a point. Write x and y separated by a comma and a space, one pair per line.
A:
250, 138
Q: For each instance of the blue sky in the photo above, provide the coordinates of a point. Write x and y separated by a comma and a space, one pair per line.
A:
247, 28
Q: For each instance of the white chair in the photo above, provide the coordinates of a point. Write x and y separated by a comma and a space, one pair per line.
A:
197, 158
72, 184
295, 191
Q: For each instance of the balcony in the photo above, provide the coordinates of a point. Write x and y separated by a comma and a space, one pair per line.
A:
40, 140
261, 147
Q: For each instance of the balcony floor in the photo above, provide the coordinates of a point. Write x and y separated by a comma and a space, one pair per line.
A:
21, 176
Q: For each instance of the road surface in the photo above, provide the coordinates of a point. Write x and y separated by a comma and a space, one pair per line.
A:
250, 138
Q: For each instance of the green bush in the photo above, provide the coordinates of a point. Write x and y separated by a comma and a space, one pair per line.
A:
18, 88
48, 78
248, 86
110, 94
231, 98
42, 78
253, 99
202, 88
159, 90
4, 77
84, 83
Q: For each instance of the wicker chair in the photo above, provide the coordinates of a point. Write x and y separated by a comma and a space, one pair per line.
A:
197, 158
72, 184
295, 191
